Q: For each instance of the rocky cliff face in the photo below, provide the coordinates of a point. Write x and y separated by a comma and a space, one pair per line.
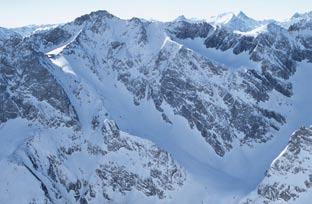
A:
289, 178
28, 89
105, 165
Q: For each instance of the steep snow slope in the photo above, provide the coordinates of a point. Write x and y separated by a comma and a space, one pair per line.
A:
226, 58
289, 178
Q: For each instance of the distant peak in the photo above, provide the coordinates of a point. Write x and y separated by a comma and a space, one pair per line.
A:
221, 18
181, 18
228, 15
7, 34
101, 13
242, 15
302, 15
224, 18
296, 15
94, 14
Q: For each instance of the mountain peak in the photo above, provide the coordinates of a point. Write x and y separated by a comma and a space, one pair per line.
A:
101, 13
232, 21
302, 15
94, 15
7, 34
296, 15
242, 15
181, 18
222, 18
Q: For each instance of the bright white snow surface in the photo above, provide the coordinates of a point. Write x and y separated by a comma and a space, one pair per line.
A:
227, 58
297, 110
236, 22
11, 137
301, 114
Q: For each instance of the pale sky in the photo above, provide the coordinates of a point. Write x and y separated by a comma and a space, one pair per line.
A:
24, 12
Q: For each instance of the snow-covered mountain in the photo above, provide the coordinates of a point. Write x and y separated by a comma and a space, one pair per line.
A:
211, 104
26, 31
237, 22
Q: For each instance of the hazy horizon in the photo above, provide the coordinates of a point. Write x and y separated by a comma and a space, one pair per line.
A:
16, 13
